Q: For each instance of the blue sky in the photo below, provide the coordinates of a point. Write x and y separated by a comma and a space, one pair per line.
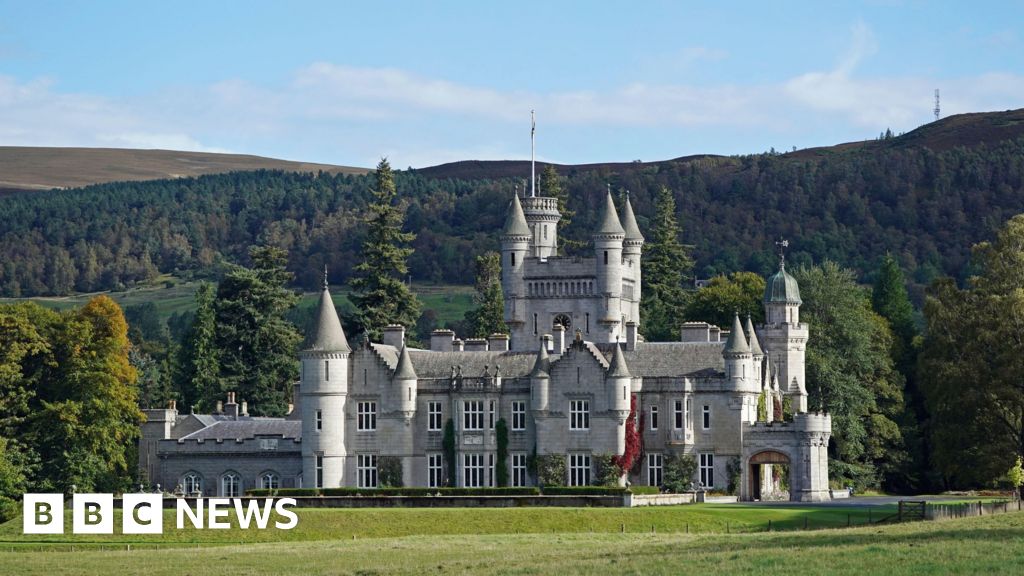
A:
347, 83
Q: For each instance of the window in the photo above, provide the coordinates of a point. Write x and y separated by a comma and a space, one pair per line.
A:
518, 469
519, 415
192, 483
545, 228
230, 485
534, 323
366, 470
579, 469
605, 257
367, 416
327, 369
490, 415
513, 259
270, 481
435, 470
654, 467
579, 414
677, 415
319, 471
434, 416
490, 470
473, 470
707, 470
706, 417
473, 415
319, 420
654, 417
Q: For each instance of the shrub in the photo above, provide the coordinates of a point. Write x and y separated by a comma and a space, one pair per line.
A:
551, 470
501, 468
678, 472
608, 470
583, 490
389, 471
448, 446
645, 490
397, 491
734, 470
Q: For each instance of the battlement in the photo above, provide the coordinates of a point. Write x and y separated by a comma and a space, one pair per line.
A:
540, 204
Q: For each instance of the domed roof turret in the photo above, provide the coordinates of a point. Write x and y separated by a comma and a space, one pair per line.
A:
781, 287
328, 335
515, 223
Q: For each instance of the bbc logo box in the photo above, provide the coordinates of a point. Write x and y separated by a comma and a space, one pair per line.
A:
92, 514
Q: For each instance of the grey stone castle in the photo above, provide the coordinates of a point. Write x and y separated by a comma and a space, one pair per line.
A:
564, 380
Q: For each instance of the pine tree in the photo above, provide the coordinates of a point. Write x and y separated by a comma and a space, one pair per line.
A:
489, 315
257, 345
551, 186
381, 294
666, 265
199, 374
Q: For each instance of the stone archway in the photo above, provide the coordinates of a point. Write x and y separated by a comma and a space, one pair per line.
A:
761, 470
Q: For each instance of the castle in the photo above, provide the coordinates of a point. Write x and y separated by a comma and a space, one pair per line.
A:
563, 382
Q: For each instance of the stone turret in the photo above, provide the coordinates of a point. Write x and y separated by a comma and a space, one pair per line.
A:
739, 363
756, 353
515, 247
324, 390
542, 216
785, 338
540, 380
632, 248
404, 385
608, 240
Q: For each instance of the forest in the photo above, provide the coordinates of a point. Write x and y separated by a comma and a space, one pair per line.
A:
849, 206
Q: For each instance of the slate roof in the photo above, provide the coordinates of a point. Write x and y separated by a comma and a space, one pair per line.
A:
247, 428
515, 223
327, 335
629, 223
405, 370
671, 359
610, 219
430, 364
618, 368
737, 342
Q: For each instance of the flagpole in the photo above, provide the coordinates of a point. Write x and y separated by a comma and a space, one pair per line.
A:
533, 156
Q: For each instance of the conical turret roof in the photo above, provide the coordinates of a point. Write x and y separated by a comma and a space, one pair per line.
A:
328, 335
610, 219
404, 370
737, 343
515, 223
543, 363
755, 346
618, 368
629, 223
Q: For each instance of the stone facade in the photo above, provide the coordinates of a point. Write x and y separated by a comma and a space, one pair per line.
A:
563, 383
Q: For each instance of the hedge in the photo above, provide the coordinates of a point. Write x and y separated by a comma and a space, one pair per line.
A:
285, 492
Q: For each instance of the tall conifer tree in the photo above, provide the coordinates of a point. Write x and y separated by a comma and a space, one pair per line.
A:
198, 355
666, 265
381, 295
489, 315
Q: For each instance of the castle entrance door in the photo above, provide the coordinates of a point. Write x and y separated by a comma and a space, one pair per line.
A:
769, 476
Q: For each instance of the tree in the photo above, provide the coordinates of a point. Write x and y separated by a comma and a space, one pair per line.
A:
85, 418
489, 315
1015, 476
724, 296
551, 186
257, 345
890, 300
199, 364
851, 375
666, 265
679, 472
381, 294
970, 363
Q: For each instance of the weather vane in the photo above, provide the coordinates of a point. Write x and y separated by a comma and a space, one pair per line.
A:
325, 276
782, 244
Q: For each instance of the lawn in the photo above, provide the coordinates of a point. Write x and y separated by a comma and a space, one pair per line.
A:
330, 524
989, 544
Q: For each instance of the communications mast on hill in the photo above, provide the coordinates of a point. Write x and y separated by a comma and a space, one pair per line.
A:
936, 103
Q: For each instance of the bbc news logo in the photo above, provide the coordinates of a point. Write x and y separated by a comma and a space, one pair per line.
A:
143, 513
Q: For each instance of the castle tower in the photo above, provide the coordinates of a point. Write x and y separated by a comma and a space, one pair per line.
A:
542, 217
396, 420
756, 353
515, 246
540, 381
739, 361
785, 337
608, 242
632, 247
324, 390
618, 387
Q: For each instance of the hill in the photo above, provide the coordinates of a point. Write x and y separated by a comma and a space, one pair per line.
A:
32, 168
925, 197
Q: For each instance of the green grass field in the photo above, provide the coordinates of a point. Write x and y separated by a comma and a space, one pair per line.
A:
550, 541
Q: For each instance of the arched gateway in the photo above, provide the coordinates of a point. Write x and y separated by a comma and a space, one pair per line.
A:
800, 445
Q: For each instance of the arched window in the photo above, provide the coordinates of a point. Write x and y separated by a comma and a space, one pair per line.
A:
230, 485
192, 483
270, 481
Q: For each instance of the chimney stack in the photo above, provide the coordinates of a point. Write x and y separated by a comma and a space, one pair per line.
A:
631, 336
394, 335
497, 342
230, 407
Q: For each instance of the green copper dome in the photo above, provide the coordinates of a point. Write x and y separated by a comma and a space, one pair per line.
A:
782, 287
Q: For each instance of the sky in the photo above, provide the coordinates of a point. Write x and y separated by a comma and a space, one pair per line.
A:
423, 83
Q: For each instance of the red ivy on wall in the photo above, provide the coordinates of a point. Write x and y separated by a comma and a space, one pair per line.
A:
634, 439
